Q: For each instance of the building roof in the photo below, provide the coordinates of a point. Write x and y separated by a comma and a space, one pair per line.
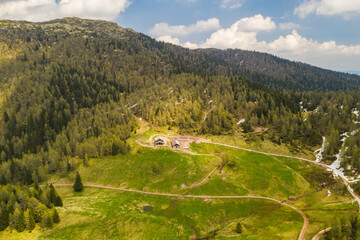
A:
174, 141
159, 139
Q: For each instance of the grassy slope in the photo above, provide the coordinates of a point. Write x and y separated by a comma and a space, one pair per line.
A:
109, 214
279, 177
106, 214
158, 170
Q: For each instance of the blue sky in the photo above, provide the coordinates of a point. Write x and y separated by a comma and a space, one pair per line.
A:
324, 33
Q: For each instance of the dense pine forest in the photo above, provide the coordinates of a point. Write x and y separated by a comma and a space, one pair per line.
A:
72, 89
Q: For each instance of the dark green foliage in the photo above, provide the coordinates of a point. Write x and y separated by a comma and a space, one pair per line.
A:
58, 202
54, 197
78, 186
22, 207
47, 220
55, 216
348, 227
4, 218
20, 220
238, 228
29, 219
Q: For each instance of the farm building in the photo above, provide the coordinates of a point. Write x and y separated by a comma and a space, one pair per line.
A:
175, 143
159, 141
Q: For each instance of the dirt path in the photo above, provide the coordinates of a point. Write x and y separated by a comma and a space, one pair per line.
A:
204, 180
321, 233
347, 184
199, 140
302, 232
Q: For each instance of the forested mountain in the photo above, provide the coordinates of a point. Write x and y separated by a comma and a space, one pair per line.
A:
70, 89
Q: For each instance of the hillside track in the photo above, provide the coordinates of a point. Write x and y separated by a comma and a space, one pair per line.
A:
302, 232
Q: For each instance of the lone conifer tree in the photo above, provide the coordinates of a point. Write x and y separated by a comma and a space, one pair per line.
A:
78, 186
55, 216
238, 228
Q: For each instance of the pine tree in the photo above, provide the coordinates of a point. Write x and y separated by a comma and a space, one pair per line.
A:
238, 228
55, 216
47, 221
52, 194
58, 202
4, 219
19, 220
29, 219
78, 186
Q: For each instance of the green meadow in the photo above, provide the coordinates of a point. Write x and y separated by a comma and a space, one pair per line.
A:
112, 214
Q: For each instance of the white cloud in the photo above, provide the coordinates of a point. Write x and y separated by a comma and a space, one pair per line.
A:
256, 23
347, 8
243, 34
163, 29
169, 39
176, 41
232, 4
289, 26
41, 10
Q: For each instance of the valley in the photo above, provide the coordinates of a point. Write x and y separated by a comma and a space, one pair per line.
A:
276, 196
170, 143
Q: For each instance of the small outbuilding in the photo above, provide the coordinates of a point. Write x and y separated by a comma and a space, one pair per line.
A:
175, 143
159, 141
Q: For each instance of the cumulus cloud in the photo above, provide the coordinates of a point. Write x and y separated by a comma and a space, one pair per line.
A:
163, 29
232, 4
347, 8
243, 34
169, 39
289, 26
41, 10
256, 23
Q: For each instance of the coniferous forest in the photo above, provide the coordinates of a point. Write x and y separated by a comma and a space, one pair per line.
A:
71, 89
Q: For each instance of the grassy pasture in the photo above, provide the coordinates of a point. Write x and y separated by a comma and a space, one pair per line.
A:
108, 214
112, 214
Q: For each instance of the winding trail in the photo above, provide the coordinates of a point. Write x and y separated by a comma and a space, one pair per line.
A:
321, 233
347, 184
302, 232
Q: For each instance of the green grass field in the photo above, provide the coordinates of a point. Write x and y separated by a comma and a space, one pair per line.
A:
112, 214
158, 170
107, 214
279, 177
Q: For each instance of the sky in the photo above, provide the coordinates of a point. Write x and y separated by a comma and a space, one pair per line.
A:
324, 33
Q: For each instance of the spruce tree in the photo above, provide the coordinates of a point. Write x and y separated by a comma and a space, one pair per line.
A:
4, 219
53, 194
55, 216
78, 186
19, 220
58, 202
238, 228
47, 221
29, 219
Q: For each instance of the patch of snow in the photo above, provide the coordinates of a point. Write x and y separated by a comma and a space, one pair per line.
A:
302, 107
320, 151
356, 112
335, 166
241, 121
